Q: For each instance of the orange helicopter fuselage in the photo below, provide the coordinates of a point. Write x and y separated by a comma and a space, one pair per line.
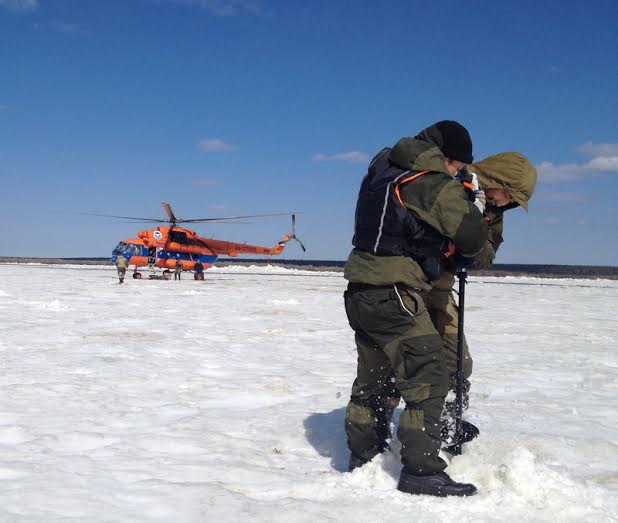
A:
164, 246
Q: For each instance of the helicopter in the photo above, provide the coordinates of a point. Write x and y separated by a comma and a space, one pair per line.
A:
165, 245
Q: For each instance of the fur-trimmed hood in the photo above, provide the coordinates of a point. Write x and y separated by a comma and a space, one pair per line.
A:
511, 171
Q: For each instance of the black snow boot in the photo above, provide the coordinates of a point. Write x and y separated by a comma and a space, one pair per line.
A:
437, 484
355, 462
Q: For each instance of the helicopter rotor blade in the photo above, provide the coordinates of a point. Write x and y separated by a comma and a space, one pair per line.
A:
170, 214
301, 244
198, 220
152, 220
216, 222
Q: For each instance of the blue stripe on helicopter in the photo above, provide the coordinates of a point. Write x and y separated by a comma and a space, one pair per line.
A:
174, 255
133, 249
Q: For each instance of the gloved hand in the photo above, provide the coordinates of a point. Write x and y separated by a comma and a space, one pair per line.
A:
480, 199
470, 182
457, 261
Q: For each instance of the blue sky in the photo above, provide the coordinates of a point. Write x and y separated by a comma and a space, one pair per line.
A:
244, 106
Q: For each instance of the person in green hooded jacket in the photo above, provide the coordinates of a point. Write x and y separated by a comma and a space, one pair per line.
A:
413, 220
508, 181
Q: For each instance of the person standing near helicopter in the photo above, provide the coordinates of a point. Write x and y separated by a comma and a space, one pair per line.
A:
121, 265
177, 270
199, 270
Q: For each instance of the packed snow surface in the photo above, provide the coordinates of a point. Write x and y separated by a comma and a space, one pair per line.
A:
224, 400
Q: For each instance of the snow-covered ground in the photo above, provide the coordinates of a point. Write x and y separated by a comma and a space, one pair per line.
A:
224, 400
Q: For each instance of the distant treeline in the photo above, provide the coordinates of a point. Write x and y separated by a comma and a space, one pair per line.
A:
499, 269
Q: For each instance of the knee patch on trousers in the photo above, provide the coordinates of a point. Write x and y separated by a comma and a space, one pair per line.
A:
361, 428
367, 425
415, 418
360, 414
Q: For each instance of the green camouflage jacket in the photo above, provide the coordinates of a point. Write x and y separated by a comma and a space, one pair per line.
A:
435, 198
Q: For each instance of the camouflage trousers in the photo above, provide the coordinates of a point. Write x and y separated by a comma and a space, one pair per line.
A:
444, 315
399, 352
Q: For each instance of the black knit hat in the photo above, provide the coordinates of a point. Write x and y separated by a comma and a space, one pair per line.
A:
456, 141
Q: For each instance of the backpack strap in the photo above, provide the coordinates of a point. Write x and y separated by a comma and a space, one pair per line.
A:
406, 180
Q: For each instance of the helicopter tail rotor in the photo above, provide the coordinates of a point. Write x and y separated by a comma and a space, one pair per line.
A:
294, 233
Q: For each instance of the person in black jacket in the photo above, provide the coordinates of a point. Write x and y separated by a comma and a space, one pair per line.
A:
199, 270
412, 219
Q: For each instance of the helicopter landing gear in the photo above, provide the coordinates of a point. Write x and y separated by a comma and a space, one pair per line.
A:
137, 275
167, 275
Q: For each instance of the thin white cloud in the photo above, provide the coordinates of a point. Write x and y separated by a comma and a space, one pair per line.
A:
221, 7
551, 221
216, 144
352, 157
599, 149
19, 6
604, 161
604, 164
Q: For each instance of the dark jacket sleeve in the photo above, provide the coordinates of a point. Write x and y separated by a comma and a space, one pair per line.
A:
485, 259
442, 202
460, 219
471, 235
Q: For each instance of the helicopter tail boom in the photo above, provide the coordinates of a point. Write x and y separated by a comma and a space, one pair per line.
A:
234, 249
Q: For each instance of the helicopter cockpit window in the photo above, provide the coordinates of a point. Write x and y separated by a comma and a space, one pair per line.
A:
178, 236
127, 248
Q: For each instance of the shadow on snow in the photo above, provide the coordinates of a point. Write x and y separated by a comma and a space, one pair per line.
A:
325, 431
